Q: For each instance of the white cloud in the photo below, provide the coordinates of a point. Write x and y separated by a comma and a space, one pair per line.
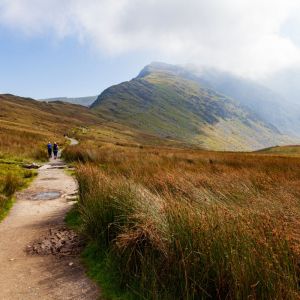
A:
243, 36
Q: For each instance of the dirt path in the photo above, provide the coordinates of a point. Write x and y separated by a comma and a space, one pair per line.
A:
24, 276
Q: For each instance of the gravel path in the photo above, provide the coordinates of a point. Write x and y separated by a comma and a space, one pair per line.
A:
40, 209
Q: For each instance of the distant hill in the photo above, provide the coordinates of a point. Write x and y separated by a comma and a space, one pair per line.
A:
289, 150
173, 102
26, 114
85, 101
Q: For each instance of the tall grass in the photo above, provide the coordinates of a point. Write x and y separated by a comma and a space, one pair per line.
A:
183, 224
11, 184
12, 178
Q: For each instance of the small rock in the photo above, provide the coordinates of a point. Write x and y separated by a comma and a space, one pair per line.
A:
71, 264
31, 166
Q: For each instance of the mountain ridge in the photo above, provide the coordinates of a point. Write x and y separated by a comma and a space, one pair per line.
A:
169, 101
84, 101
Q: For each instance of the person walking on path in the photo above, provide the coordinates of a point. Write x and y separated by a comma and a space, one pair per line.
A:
55, 150
49, 147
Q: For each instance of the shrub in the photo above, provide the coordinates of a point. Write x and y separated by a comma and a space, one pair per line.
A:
11, 183
28, 174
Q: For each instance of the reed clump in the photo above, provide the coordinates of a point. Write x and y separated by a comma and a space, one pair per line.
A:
185, 224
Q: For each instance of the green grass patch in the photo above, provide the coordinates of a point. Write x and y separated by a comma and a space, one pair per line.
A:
12, 178
103, 271
70, 172
72, 218
99, 266
5, 206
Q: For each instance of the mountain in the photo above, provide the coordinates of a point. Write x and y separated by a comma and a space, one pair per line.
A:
270, 106
27, 124
174, 102
85, 101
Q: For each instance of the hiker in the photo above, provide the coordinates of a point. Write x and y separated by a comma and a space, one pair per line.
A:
49, 147
55, 150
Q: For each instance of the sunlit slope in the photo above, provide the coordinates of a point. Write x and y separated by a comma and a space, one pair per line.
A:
291, 150
173, 105
43, 116
26, 125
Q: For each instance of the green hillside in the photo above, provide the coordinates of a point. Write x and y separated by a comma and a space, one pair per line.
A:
26, 125
168, 101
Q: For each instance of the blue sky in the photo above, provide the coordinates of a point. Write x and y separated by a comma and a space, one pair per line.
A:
54, 48
43, 67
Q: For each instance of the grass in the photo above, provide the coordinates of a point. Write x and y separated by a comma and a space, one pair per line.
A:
26, 125
165, 222
99, 268
5, 206
97, 263
168, 223
72, 218
12, 178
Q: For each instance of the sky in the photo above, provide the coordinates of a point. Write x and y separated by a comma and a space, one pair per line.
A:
73, 48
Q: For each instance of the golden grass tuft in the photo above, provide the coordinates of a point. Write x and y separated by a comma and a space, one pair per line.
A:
187, 224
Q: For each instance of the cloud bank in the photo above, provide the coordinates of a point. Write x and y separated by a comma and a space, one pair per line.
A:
253, 38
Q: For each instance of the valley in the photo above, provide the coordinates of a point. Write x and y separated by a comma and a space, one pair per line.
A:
180, 192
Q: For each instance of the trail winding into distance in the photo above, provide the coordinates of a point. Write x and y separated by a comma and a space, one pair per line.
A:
27, 277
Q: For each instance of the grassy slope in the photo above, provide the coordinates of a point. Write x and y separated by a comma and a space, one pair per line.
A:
168, 105
27, 125
12, 178
206, 224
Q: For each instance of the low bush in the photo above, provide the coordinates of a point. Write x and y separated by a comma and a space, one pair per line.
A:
28, 174
11, 184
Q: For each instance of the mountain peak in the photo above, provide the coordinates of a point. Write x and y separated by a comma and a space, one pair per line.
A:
172, 101
160, 67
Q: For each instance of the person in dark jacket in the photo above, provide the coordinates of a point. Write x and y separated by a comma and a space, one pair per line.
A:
55, 150
49, 147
